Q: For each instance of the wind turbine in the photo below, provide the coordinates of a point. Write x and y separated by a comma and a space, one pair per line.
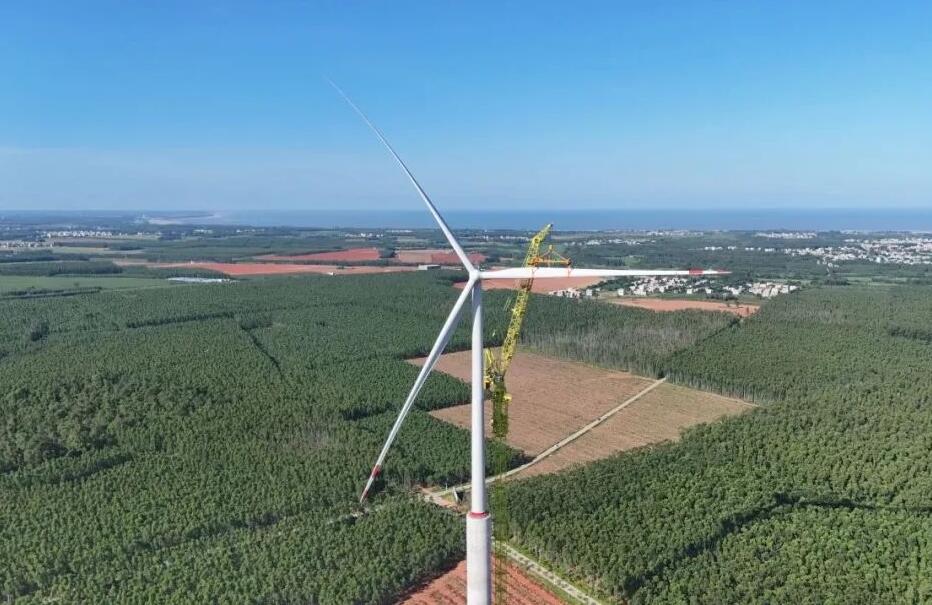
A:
478, 520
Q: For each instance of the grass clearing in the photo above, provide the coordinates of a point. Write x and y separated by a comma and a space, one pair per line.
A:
15, 283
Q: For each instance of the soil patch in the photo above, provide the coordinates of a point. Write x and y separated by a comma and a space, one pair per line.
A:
660, 415
450, 589
550, 398
672, 304
540, 286
436, 256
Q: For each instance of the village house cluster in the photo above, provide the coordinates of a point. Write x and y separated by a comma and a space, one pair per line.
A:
769, 289
576, 292
617, 240
786, 234
745, 248
21, 244
896, 250
681, 285
80, 233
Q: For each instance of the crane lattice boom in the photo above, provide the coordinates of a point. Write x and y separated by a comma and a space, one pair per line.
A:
497, 366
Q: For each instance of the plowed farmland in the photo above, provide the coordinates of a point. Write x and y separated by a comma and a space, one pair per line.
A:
450, 589
551, 398
670, 304
540, 286
660, 415
435, 256
350, 255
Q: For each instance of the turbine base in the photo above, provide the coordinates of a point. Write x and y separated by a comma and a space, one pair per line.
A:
478, 558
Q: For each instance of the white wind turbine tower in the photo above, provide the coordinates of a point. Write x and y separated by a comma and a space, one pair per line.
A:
478, 521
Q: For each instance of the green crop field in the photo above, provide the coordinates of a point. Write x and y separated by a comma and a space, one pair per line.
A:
22, 283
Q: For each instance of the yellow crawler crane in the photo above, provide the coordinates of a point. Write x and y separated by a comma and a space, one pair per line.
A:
496, 366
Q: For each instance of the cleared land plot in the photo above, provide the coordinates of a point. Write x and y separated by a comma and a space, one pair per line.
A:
350, 255
540, 286
660, 415
450, 589
92, 250
551, 398
435, 256
243, 269
672, 304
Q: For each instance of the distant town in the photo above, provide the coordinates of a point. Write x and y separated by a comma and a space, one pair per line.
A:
893, 250
656, 286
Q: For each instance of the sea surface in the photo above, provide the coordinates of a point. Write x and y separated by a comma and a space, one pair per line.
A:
919, 220
892, 219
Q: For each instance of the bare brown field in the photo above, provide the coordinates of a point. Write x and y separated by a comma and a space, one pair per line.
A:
244, 269
671, 304
450, 589
660, 415
349, 255
540, 286
435, 256
551, 398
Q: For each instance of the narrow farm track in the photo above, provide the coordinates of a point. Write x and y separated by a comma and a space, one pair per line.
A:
571, 438
536, 569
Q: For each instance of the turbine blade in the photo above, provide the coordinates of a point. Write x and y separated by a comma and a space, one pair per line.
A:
420, 190
551, 272
442, 339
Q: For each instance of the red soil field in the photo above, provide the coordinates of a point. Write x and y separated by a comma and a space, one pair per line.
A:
350, 255
450, 589
551, 398
540, 286
435, 256
243, 269
670, 304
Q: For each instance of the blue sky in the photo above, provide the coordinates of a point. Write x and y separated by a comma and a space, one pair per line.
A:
223, 106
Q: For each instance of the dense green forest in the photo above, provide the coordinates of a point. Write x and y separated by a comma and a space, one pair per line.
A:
208, 443
68, 267
821, 495
690, 252
620, 337
746, 256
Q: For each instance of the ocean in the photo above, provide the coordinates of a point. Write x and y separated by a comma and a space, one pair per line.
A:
769, 219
